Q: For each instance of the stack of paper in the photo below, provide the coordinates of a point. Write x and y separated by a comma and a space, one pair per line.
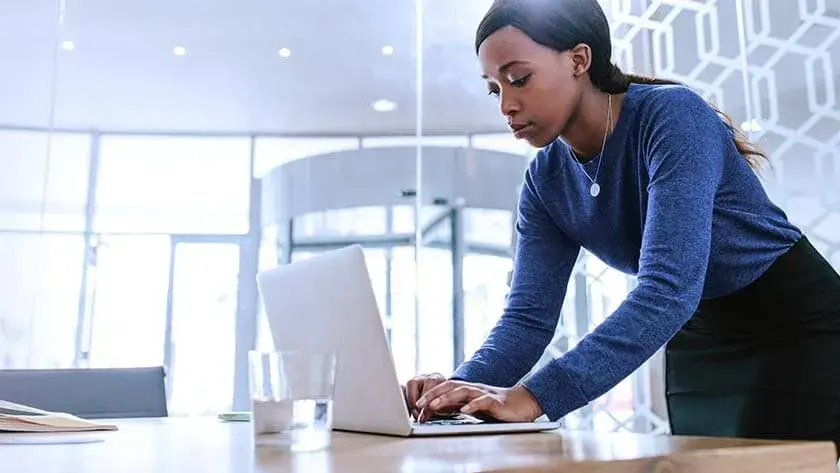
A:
37, 420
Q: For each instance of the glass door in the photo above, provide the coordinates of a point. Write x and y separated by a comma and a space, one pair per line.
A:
200, 352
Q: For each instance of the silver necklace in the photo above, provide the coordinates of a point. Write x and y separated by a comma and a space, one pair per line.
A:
595, 188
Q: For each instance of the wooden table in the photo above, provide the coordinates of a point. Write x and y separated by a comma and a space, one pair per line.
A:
209, 446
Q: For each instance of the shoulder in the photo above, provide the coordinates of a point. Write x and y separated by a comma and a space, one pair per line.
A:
659, 95
677, 104
676, 116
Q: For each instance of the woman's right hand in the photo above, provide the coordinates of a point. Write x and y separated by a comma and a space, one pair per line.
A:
417, 386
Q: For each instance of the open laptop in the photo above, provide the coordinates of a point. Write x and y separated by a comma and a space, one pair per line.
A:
326, 304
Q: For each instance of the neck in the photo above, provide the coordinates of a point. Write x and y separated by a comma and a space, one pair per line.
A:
585, 132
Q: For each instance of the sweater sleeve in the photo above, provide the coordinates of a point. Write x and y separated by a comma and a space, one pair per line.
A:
543, 261
685, 145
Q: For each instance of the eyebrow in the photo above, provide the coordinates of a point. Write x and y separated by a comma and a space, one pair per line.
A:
506, 66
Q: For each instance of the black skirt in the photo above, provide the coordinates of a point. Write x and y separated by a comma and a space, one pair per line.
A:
763, 362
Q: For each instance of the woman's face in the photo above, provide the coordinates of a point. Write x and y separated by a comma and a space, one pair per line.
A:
538, 88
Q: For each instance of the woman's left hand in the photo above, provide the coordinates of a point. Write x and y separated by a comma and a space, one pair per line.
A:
514, 404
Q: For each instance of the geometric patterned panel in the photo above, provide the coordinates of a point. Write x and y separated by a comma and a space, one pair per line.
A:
791, 61
772, 72
693, 41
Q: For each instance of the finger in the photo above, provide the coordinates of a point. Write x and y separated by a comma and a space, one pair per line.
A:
455, 398
434, 391
428, 413
424, 415
429, 384
449, 402
417, 386
412, 394
487, 404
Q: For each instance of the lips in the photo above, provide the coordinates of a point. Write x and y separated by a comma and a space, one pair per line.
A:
522, 130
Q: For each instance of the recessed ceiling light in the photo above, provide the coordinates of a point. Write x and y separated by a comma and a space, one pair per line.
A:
284, 52
179, 51
383, 105
387, 50
68, 45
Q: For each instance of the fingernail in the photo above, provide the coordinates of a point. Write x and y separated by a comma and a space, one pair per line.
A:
465, 409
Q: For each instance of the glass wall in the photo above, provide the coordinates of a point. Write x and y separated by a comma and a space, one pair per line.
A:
43, 189
155, 156
133, 141
449, 226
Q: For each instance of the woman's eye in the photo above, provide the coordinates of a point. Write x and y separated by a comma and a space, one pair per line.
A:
494, 93
521, 81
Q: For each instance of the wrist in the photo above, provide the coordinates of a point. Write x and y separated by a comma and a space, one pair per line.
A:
526, 398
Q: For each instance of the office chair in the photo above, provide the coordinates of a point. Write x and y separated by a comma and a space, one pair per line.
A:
99, 393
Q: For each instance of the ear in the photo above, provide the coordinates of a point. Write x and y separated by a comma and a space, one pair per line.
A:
581, 56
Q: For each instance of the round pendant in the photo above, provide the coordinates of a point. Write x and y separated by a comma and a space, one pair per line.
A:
595, 189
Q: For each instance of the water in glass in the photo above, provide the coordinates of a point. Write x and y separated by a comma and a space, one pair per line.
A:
296, 424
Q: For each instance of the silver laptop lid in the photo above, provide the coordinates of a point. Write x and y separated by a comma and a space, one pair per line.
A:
327, 304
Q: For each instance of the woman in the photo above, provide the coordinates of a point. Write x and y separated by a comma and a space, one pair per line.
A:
651, 179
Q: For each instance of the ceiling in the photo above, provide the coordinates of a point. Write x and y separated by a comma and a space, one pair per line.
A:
123, 75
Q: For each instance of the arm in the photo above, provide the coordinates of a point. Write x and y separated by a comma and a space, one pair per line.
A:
685, 149
543, 261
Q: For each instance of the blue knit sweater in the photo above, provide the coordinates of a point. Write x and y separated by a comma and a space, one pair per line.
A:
679, 208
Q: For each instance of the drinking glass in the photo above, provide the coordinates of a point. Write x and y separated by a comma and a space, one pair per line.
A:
292, 399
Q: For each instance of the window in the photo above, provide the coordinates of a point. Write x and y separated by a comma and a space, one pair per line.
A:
489, 227
382, 141
41, 279
485, 290
268, 258
129, 310
173, 185
272, 152
503, 142
204, 307
341, 222
403, 217
435, 311
43, 181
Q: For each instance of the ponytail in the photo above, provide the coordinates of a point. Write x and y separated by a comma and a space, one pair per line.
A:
617, 82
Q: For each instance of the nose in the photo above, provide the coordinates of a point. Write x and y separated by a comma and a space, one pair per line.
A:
508, 105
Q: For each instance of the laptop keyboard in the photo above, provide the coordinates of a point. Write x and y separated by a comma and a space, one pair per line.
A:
448, 422
453, 420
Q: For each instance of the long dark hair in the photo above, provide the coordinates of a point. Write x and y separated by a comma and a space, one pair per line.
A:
563, 24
